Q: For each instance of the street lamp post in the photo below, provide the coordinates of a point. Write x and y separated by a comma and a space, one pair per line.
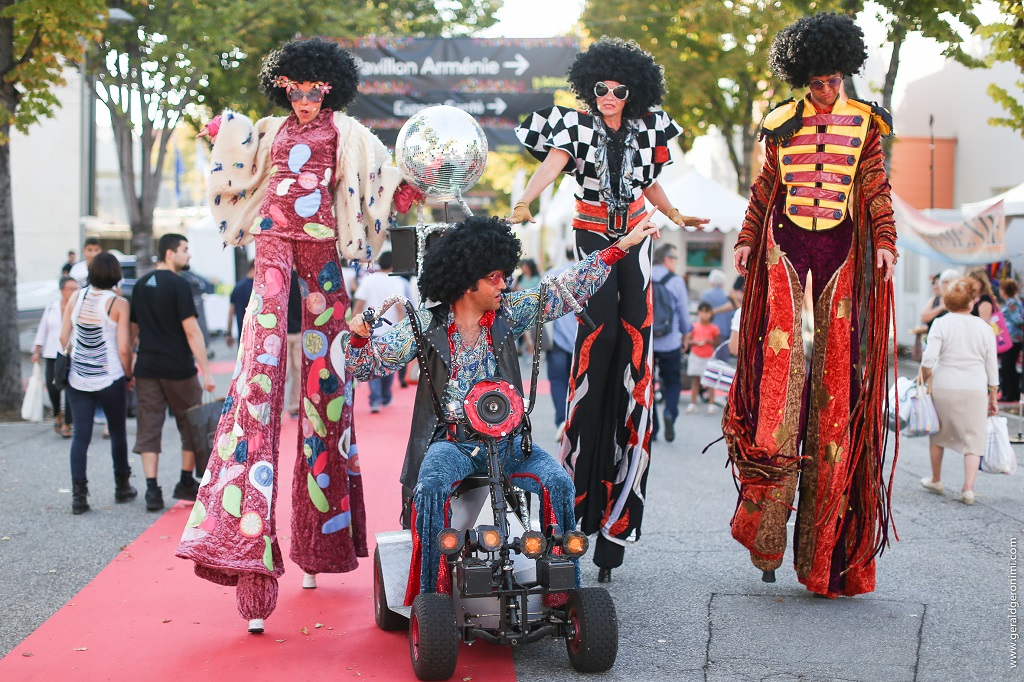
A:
931, 163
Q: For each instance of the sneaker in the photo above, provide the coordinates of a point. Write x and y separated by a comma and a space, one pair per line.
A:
967, 497
186, 491
256, 626
374, 409
937, 488
691, 408
712, 409
154, 499
670, 430
309, 581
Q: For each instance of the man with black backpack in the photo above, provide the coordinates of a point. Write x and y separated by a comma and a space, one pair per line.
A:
671, 323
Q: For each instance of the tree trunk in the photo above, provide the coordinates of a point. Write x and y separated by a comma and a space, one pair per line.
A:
10, 353
898, 34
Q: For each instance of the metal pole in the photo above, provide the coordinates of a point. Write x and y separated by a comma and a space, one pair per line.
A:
931, 151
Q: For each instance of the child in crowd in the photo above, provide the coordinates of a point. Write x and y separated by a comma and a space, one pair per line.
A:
702, 341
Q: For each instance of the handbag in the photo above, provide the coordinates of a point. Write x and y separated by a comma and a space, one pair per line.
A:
922, 419
718, 374
1003, 341
62, 364
202, 421
999, 457
32, 404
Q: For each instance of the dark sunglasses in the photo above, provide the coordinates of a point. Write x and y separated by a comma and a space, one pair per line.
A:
620, 92
831, 82
314, 95
497, 277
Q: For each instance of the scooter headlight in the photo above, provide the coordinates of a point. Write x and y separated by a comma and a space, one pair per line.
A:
575, 544
449, 541
532, 544
489, 538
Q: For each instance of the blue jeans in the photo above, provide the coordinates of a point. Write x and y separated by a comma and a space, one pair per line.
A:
559, 365
380, 390
444, 465
113, 400
668, 365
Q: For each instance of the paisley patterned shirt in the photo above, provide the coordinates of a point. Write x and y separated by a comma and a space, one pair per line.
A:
385, 354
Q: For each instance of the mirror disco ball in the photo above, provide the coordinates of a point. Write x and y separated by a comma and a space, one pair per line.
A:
441, 150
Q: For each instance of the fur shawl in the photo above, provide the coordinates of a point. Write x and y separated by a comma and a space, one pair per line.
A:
240, 172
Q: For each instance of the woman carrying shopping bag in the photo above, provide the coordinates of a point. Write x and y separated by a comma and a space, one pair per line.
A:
960, 361
46, 346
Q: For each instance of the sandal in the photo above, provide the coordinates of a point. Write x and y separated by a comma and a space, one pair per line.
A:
65, 431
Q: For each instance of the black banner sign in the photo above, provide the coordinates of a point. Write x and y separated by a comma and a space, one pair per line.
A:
497, 81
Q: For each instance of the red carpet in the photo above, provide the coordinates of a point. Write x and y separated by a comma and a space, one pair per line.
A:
147, 617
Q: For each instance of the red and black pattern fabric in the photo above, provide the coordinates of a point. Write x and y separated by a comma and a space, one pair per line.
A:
606, 447
574, 132
825, 434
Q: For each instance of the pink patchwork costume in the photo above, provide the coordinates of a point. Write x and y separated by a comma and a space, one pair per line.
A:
302, 192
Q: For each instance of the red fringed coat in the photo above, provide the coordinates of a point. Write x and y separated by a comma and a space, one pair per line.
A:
824, 434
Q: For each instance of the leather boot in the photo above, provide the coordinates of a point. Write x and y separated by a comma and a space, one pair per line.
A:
123, 490
79, 497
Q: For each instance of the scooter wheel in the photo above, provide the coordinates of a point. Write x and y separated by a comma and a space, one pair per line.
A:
387, 619
433, 638
593, 638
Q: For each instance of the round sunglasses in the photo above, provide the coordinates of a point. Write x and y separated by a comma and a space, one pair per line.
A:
314, 95
833, 83
621, 92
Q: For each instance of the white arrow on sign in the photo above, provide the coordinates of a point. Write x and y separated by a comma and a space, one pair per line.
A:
519, 64
498, 105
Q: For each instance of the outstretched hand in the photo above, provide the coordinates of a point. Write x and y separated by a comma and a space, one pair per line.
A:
640, 232
687, 220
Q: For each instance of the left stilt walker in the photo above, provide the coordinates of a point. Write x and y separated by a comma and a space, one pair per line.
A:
303, 187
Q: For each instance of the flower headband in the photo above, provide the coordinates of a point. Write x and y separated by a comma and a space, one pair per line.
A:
288, 84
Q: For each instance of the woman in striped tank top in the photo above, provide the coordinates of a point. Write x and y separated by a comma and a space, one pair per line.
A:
96, 323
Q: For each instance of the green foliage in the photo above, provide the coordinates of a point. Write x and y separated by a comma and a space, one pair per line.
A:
715, 56
1008, 46
38, 38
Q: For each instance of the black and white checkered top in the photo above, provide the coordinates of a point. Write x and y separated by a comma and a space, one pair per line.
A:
583, 137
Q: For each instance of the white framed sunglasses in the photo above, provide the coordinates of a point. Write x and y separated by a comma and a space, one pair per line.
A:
620, 92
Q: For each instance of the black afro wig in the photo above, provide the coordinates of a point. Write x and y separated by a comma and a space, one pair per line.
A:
817, 46
623, 61
466, 253
311, 60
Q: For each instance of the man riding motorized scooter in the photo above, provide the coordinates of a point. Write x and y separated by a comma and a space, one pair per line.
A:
471, 330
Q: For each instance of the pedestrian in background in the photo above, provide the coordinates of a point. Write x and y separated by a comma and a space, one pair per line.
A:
984, 297
97, 320
66, 268
701, 340
46, 346
164, 320
528, 278
80, 270
376, 288
558, 346
960, 362
1013, 315
722, 304
239, 298
668, 347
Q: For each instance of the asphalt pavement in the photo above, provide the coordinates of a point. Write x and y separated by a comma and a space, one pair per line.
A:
690, 605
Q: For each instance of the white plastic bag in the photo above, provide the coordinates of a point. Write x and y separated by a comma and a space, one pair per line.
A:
999, 455
32, 405
899, 396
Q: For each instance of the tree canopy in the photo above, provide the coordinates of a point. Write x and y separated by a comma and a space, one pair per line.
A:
1008, 46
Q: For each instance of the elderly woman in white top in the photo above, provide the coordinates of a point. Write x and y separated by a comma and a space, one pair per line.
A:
960, 361
47, 344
